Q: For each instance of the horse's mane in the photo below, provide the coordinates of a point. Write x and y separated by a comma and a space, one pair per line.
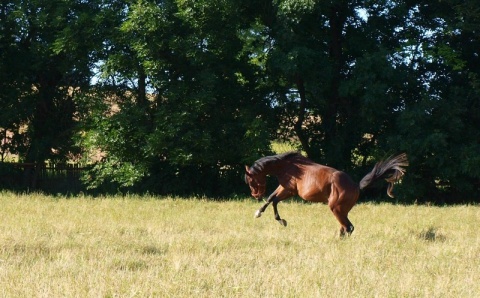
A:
259, 165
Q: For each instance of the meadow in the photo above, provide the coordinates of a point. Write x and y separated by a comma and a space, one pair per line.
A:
145, 246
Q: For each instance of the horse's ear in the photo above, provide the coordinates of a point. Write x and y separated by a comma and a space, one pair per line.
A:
247, 170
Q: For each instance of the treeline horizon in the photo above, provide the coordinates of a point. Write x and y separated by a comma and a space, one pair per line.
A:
176, 96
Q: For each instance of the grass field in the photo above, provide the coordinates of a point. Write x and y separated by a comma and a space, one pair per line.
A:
166, 247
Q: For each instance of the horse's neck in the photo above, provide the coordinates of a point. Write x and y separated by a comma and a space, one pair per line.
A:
276, 169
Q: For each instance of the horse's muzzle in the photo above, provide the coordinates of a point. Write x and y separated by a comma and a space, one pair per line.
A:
257, 196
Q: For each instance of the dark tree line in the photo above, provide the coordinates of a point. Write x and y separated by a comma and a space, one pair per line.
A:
176, 96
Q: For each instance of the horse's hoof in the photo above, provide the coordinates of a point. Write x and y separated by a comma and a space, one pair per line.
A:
258, 214
283, 222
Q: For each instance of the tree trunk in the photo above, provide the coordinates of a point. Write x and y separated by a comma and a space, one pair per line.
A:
142, 89
334, 149
298, 126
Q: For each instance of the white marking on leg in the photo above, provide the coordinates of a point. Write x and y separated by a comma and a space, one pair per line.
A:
258, 213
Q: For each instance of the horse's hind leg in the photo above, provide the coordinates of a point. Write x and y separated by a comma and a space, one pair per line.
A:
346, 225
340, 211
342, 198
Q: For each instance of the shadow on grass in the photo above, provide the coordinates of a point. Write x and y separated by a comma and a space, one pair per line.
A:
432, 235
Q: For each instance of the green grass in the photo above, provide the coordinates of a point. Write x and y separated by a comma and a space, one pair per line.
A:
282, 147
166, 247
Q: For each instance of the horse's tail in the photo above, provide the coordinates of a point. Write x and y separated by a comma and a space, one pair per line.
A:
390, 169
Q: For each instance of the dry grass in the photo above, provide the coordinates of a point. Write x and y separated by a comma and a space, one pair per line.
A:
150, 247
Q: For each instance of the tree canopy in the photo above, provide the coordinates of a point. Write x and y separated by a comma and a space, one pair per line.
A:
175, 96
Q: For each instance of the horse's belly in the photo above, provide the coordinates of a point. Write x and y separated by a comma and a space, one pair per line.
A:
315, 193
315, 185
315, 197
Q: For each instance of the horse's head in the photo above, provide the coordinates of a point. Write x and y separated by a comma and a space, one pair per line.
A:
256, 183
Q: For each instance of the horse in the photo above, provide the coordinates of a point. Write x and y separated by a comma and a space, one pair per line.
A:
298, 175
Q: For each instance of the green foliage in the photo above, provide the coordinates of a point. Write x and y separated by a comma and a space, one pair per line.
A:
116, 141
49, 46
202, 117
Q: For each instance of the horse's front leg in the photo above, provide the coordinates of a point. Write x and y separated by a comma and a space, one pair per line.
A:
282, 221
272, 199
278, 195
259, 212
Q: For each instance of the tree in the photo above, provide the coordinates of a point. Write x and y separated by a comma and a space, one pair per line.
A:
361, 80
440, 127
204, 116
185, 90
331, 67
53, 60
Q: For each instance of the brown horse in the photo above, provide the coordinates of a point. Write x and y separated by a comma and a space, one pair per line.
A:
313, 182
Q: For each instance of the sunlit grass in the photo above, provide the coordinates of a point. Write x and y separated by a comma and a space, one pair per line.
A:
279, 147
167, 247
